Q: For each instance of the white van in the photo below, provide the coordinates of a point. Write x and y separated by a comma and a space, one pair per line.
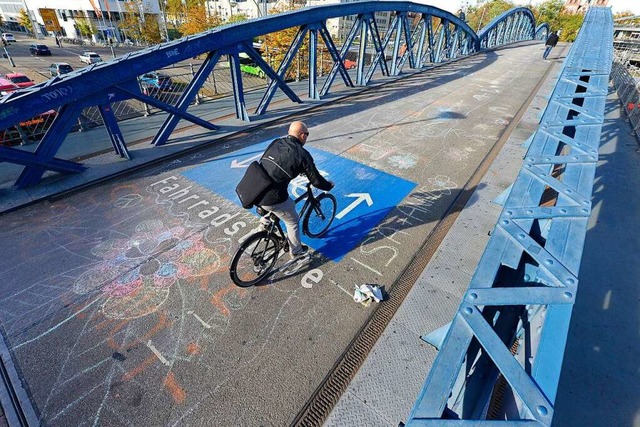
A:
8, 37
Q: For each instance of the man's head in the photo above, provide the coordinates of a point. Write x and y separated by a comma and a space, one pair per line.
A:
300, 131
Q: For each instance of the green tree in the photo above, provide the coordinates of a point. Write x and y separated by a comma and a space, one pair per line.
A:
24, 20
569, 24
480, 15
150, 29
85, 27
139, 24
275, 46
131, 24
548, 11
238, 17
551, 12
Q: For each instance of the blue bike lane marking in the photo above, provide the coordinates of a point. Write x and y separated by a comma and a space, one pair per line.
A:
365, 195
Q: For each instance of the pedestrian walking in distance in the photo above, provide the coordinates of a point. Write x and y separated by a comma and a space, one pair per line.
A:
552, 41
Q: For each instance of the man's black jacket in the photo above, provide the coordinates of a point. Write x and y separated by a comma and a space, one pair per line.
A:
285, 159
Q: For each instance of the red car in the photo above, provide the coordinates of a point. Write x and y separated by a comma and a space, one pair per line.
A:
19, 79
349, 64
7, 86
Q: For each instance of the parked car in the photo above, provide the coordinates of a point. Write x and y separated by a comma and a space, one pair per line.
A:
60, 68
39, 50
8, 37
7, 86
30, 130
90, 58
19, 79
349, 64
153, 82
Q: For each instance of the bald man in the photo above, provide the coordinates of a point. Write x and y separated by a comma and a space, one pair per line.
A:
285, 159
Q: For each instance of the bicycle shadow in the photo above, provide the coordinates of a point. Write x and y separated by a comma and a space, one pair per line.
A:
345, 237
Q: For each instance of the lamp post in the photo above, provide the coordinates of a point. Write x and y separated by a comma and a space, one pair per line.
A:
163, 10
104, 23
34, 23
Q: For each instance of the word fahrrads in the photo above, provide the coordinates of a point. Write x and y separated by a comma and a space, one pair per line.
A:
204, 209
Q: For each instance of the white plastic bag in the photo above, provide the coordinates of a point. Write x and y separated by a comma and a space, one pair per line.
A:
364, 294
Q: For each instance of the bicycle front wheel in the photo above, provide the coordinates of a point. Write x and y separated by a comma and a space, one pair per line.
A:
254, 259
320, 215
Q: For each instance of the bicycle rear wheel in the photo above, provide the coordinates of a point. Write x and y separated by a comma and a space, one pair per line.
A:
320, 215
254, 259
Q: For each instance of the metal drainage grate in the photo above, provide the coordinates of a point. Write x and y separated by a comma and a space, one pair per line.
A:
319, 406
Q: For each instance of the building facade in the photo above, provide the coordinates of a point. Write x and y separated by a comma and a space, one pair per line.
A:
581, 6
64, 17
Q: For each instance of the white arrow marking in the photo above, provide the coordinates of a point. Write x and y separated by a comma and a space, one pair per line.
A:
244, 163
361, 197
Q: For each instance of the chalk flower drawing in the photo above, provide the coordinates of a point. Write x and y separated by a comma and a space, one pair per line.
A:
136, 273
442, 184
403, 161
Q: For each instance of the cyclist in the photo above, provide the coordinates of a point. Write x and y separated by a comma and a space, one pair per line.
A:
284, 159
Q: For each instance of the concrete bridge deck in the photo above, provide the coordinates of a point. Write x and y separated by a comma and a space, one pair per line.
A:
117, 309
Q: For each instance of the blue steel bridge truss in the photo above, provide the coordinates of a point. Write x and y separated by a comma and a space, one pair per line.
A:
501, 357
515, 24
418, 36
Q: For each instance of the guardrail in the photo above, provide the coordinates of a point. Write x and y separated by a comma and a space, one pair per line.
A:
502, 355
625, 74
417, 36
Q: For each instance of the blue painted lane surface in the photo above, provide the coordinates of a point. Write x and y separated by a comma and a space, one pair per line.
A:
365, 195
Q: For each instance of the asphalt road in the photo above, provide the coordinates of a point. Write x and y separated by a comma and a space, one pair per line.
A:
116, 302
37, 67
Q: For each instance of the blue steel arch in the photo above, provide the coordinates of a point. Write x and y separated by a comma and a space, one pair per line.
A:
418, 34
542, 31
411, 31
512, 26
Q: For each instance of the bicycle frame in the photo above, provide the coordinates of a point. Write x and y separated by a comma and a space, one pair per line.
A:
309, 202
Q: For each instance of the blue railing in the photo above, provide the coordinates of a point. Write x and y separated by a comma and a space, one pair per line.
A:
503, 352
418, 36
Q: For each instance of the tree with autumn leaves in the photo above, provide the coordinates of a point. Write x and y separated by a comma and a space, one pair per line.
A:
24, 20
139, 23
198, 20
276, 45
550, 11
85, 27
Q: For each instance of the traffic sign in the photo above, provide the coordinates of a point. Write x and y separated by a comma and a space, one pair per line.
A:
365, 195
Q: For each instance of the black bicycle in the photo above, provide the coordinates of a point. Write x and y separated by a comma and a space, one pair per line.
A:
256, 256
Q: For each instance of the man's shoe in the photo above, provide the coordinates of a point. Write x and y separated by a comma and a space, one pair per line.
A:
304, 251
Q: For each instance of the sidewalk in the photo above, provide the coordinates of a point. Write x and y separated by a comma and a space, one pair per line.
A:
600, 360
387, 385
